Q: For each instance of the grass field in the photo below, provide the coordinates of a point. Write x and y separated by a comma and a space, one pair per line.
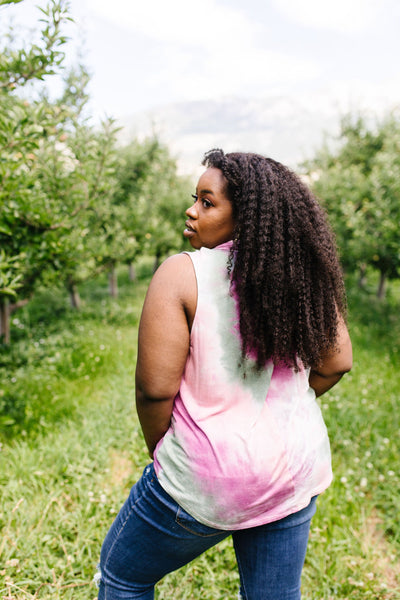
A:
71, 449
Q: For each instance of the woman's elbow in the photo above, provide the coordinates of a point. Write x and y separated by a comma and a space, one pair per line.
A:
152, 391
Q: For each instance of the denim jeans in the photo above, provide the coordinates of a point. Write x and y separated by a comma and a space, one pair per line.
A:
152, 536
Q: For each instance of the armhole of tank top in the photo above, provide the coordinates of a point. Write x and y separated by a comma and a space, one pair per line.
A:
192, 260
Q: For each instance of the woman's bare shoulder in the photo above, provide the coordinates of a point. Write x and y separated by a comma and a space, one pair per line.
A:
175, 278
175, 263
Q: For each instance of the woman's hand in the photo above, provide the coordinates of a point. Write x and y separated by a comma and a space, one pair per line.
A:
163, 346
334, 365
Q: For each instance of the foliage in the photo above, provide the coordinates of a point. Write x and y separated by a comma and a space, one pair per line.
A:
22, 126
149, 184
358, 183
9, 281
55, 167
21, 66
71, 204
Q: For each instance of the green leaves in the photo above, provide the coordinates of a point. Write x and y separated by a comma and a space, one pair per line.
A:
54, 167
72, 204
19, 66
358, 183
2, 2
153, 195
10, 279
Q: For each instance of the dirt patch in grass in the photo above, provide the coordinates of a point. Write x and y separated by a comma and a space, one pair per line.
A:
121, 468
387, 566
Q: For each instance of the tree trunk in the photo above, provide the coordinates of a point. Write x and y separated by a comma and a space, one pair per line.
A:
381, 287
132, 272
74, 296
5, 320
362, 279
113, 282
156, 262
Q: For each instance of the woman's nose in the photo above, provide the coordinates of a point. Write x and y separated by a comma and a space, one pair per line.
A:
191, 212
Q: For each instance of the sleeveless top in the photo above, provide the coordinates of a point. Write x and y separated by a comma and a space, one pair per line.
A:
244, 448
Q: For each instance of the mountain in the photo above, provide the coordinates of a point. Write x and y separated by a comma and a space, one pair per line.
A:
284, 128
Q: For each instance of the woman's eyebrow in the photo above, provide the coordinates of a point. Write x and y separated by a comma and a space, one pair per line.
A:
205, 192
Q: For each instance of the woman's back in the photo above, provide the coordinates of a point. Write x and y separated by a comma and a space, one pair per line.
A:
245, 446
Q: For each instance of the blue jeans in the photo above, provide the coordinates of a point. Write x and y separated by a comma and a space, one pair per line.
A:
152, 536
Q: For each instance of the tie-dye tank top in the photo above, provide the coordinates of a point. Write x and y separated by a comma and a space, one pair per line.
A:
244, 448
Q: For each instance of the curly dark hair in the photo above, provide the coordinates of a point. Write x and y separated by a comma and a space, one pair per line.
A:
284, 266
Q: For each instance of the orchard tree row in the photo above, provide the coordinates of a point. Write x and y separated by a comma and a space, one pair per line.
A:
358, 180
72, 203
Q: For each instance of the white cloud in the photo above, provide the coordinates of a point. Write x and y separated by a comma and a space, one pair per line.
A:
250, 72
203, 24
345, 16
206, 49
145, 53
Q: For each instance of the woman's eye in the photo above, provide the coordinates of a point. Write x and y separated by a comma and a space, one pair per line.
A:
206, 203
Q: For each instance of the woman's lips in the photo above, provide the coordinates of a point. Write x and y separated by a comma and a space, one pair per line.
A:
188, 231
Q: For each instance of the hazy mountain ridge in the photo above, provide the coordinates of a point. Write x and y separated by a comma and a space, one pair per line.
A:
284, 128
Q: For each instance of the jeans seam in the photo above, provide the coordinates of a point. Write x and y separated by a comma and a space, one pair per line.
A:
201, 535
242, 585
117, 537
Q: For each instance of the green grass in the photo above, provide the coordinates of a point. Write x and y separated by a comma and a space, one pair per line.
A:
71, 449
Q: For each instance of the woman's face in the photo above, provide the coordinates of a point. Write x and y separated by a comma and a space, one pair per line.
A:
210, 221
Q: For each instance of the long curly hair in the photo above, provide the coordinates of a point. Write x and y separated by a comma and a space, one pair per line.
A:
284, 267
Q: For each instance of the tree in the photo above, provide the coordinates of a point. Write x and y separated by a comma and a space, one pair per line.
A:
23, 125
383, 213
70, 205
154, 197
56, 169
358, 184
78, 173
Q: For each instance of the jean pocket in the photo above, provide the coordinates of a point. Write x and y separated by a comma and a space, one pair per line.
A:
193, 526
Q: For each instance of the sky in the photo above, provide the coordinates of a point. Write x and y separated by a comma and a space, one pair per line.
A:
143, 54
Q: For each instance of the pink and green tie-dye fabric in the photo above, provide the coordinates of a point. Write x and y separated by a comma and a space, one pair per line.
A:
241, 451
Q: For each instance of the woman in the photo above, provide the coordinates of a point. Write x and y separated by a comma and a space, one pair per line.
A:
235, 342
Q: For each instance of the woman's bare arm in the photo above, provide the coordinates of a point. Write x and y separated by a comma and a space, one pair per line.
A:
163, 345
334, 365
